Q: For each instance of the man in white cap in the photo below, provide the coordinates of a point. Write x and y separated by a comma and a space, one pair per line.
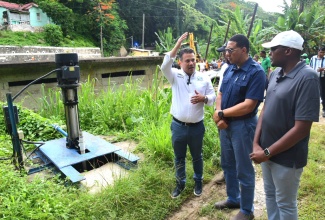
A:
283, 129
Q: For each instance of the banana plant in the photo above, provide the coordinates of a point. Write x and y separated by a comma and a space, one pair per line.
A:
166, 40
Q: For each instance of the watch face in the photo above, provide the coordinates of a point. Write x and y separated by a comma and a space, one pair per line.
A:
220, 114
266, 152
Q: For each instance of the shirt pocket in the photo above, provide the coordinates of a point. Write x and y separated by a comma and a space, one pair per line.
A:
224, 85
240, 87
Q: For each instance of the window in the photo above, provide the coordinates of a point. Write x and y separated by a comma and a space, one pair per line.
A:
38, 15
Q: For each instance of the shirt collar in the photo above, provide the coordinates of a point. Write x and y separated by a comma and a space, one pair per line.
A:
294, 71
245, 66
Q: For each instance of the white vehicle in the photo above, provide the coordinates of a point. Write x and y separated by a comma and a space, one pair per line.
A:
214, 75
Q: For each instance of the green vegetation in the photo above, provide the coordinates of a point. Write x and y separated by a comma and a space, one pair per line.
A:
113, 23
143, 116
39, 39
144, 194
53, 34
22, 38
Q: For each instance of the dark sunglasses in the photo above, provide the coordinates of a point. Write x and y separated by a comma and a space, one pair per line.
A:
277, 47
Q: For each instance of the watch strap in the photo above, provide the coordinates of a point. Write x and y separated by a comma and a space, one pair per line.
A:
267, 152
220, 114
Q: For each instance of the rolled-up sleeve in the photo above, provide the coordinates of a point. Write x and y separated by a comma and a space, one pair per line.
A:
166, 68
210, 93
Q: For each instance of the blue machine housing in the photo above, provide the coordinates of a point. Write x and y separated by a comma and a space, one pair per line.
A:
69, 160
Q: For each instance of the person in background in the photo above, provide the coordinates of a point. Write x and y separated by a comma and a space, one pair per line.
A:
191, 90
201, 66
241, 92
283, 129
207, 67
224, 66
221, 179
214, 64
305, 57
266, 63
256, 58
317, 62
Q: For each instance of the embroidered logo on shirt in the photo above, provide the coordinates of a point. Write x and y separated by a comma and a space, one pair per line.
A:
179, 75
199, 78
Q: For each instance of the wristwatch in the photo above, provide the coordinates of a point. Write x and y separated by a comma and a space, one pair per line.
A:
220, 114
267, 152
206, 99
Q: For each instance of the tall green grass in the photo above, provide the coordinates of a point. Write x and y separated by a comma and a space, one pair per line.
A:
312, 190
38, 39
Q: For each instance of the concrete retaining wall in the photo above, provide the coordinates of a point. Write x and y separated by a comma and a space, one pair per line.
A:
13, 77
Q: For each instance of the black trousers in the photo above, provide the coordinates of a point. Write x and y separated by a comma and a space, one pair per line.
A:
322, 91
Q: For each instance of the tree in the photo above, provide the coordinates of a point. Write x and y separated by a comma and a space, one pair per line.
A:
166, 40
159, 14
309, 23
105, 25
60, 15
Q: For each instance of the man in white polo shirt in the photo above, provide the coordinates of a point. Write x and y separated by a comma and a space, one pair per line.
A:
317, 62
191, 90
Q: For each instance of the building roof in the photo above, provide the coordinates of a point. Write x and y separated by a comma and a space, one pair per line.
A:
17, 7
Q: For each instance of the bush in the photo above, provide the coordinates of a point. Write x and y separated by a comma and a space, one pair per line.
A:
53, 34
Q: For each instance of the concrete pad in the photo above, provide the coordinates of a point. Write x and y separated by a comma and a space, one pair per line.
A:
99, 178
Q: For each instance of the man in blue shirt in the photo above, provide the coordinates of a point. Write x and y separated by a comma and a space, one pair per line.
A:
241, 92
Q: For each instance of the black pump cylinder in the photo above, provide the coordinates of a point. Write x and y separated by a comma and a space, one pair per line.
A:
68, 80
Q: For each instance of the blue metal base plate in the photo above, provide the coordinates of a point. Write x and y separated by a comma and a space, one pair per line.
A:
64, 158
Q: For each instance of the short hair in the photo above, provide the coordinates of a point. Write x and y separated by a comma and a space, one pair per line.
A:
263, 52
321, 49
185, 50
241, 41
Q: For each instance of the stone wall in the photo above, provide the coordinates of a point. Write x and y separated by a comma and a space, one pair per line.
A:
15, 54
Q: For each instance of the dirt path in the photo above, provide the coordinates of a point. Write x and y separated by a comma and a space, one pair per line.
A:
212, 193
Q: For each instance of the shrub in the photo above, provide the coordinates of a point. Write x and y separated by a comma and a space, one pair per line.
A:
53, 34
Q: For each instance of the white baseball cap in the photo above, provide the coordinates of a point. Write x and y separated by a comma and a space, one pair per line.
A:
288, 39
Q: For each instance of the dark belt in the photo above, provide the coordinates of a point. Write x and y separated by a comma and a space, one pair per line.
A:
240, 117
185, 123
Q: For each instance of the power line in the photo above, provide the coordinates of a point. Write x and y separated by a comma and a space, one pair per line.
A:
153, 16
135, 1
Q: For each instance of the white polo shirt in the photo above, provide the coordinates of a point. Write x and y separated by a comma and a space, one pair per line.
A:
316, 62
183, 88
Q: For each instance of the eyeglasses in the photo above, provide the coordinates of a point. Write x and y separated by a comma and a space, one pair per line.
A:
277, 47
230, 50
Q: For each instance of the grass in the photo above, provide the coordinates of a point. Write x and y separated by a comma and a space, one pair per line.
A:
128, 112
312, 190
38, 39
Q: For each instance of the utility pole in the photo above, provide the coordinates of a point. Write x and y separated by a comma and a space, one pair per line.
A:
177, 18
101, 30
252, 21
224, 41
101, 41
207, 50
131, 41
143, 31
